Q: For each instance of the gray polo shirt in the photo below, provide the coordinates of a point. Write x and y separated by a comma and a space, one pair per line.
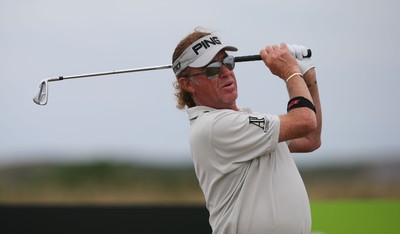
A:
250, 181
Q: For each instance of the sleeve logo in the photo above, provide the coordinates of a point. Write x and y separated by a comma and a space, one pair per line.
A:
262, 123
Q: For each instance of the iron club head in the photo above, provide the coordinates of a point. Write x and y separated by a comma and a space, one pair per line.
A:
41, 94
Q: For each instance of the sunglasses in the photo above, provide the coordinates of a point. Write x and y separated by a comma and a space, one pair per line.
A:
212, 70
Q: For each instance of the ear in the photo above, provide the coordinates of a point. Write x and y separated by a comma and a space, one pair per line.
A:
186, 84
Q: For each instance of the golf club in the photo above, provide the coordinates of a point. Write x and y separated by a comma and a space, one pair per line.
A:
42, 93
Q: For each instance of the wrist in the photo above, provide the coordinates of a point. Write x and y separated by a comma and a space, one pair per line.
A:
285, 74
295, 74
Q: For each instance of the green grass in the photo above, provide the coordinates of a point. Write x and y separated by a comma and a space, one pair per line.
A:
353, 217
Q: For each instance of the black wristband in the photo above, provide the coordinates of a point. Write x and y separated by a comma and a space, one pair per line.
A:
297, 102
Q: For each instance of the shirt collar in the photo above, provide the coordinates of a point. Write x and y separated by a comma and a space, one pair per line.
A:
194, 112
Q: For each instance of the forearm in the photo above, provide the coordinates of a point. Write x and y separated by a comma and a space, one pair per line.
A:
311, 80
311, 141
298, 87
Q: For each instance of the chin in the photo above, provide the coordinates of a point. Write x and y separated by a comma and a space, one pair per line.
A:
231, 100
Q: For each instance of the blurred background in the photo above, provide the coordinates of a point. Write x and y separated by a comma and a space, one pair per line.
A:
120, 140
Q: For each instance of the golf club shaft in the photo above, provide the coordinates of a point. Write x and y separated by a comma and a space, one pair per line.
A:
110, 73
41, 94
247, 58
237, 59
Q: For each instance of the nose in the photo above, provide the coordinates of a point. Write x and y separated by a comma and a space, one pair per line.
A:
224, 71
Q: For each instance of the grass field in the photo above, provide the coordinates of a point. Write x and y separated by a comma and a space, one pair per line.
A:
359, 200
356, 217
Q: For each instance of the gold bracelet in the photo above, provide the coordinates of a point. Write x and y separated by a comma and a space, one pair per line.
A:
293, 75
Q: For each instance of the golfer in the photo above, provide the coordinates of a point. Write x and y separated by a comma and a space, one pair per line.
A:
242, 158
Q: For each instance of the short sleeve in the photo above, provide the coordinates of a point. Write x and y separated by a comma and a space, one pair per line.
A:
241, 136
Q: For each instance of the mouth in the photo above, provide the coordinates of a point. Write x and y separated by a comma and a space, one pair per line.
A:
228, 85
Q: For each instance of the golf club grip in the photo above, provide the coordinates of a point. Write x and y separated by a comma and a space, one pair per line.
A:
249, 58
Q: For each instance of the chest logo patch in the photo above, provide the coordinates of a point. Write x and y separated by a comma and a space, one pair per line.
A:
262, 123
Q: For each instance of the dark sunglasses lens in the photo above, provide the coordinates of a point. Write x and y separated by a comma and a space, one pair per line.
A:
229, 62
212, 70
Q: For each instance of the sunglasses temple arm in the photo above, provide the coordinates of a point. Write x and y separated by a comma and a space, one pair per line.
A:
250, 58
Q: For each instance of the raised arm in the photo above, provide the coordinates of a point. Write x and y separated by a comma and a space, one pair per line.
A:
300, 121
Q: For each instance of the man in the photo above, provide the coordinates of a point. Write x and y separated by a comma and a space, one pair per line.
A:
242, 158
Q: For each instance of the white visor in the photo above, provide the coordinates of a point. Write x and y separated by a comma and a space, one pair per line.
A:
200, 53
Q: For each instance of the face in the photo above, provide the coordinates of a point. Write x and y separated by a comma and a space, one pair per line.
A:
219, 92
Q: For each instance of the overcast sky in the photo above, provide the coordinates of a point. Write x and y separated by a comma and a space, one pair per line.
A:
355, 47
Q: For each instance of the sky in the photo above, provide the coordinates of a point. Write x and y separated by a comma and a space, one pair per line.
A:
133, 116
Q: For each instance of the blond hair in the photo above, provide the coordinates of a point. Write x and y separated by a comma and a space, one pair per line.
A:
183, 97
